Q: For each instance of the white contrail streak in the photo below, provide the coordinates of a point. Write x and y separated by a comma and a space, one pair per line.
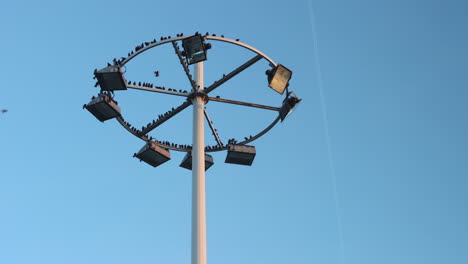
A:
327, 133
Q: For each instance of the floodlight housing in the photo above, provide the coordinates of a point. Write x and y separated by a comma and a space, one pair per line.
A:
289, 104
103, 107
278, 78
187, 161
240, 154
111, 78
153, 154
194, 49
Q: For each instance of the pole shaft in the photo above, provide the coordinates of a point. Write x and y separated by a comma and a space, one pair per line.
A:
198, 175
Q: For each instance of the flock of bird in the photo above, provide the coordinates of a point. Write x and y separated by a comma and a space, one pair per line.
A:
145, 44
150, 85
183, 61
231, 141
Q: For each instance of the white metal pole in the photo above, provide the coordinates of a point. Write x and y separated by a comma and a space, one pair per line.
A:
198, 174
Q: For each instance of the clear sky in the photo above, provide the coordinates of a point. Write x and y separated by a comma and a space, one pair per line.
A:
371, 168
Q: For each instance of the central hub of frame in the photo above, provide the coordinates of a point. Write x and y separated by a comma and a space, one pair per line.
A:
199, 93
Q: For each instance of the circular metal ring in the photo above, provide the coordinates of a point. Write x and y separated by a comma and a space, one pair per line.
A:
187, 148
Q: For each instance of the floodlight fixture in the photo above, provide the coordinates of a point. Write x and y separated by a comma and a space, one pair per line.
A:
278, 78
240, 154
289, 104
153, 154
103, 107
111, 78
187, 161
194, 49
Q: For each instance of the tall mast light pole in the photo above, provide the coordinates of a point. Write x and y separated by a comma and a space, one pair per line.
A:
105, 107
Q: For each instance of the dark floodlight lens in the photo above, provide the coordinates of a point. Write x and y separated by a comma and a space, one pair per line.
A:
240, 154
278, 79
187, 161
103, 107
111, 78
153, 154
194, 48
288, 107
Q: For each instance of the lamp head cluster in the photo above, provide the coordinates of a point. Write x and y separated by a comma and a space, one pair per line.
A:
111, 78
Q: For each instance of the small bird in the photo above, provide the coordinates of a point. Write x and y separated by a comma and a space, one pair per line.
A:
156, 73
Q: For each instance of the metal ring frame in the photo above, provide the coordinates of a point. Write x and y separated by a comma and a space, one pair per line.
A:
185, 148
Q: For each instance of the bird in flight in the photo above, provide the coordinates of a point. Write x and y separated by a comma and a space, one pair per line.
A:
4, 111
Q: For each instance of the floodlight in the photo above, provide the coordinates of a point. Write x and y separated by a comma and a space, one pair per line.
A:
194, 49
111, 78
187, 161
289, 104
278, 78
103, 107
240, 154
153, 154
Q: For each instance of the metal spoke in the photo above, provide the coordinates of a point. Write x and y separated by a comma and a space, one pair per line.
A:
183, 62
217, 99
213, 129
233, 73
164, 117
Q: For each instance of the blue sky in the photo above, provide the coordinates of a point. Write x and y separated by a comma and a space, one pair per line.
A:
370, 168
